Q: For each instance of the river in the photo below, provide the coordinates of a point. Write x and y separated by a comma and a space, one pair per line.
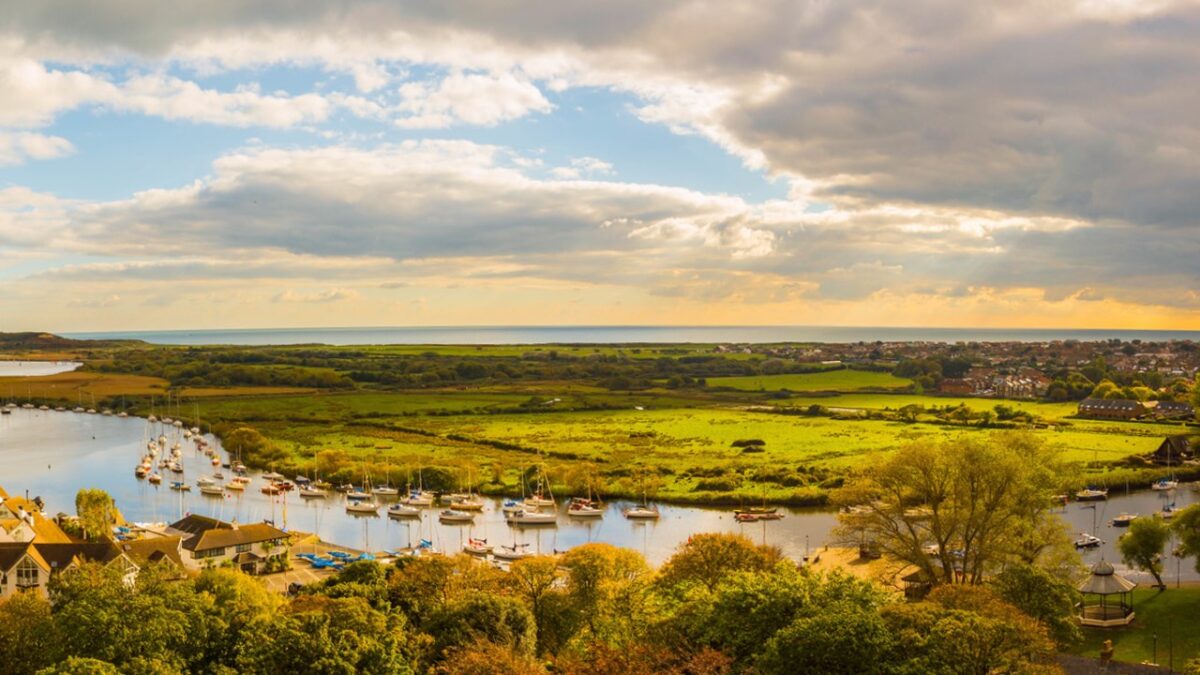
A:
36, 368
53, 454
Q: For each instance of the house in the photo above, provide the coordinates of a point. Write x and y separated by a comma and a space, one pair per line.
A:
1173, 410
957, 386
28, 566
1111, 408
1173, 450
208, 542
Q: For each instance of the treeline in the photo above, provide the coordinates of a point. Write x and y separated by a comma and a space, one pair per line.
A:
334, 368
720, 605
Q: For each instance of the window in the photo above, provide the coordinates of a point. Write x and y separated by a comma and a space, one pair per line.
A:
27, 574
243, 548
210, 553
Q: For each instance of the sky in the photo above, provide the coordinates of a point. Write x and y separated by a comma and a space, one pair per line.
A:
304, 163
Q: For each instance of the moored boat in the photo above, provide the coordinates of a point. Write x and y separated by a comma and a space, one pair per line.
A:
403, 511
524, 517
1092, 494
456, 516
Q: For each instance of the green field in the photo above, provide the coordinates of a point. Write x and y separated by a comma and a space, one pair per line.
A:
1171, 615
830, 380
680, 442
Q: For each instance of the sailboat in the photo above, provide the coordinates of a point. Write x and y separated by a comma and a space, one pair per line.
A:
539, 497
1168, 483
585, 508
386, 490
514, 552
419, 497
757, 513
469, 501
643, 511
363, 506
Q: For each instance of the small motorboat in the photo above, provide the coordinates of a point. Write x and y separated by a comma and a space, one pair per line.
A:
477, 547
180, 486
1092, 494
312, 493
756, 511
212, 490
271, 489
456, 516
236, 486
1087, 540
511, 506
755, 517
514, 552
205, 480
176, 467
1164, 484
403, 511
271, 475
154, 478
1124, 519
642, 512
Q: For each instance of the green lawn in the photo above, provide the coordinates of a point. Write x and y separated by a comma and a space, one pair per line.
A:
1173, 615
830, 380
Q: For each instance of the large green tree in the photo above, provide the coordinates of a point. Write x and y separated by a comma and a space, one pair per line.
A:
96, 513
1142, 546
960, 508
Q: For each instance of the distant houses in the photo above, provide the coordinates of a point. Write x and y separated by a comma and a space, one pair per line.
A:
1024, 383
1128, 409
1111, 408
1172, 410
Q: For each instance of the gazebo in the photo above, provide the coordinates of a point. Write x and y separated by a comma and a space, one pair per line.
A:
1099, 606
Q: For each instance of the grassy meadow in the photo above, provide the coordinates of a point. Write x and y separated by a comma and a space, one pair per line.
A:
831, 380
1170, 615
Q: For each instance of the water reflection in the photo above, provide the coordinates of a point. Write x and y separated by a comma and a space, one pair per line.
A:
54, 454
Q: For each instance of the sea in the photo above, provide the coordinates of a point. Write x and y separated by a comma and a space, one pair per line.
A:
501, 335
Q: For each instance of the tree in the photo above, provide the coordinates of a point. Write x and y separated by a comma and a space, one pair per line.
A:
839, 638
706, 559
536, 580
976, 503
96, 513
328, 635
486, 658
607, 586
29, 640
1042, 597
1142, 546
497, 619
81, 666
1186, 526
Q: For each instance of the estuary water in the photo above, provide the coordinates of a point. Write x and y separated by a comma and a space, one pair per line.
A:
485, 335
36, 368
53, 454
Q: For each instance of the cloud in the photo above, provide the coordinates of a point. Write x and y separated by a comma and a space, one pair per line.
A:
15, 148
474, 98
332, 295
581, 166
